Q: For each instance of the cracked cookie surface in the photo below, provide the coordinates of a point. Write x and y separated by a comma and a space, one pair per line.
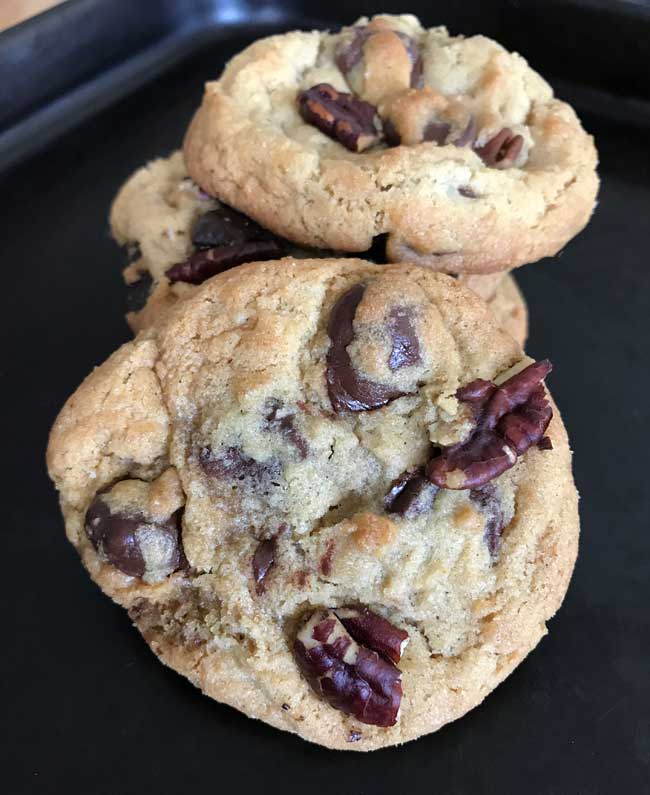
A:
262, 535
469, 165
155, 216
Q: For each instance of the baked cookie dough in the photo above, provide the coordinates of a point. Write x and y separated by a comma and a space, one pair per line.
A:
451, 146
333, 494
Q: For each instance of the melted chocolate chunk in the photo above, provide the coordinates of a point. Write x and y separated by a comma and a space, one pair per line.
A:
509, 419
487, 501
349, 56
501, 150
411, 494
263, 562
346, 388
204, 264
122, 537
226, 227
406, 345
137, 293
344, 118
233, 464
285, 426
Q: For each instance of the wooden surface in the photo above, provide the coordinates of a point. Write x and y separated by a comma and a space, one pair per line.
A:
14, 11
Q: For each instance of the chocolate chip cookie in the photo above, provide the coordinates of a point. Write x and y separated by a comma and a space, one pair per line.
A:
333, 494
452, 147
176, 236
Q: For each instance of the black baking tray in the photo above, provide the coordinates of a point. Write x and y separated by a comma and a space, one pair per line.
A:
89, 92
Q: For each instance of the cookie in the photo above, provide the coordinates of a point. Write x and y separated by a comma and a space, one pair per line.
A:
332, 494
166, 223
452, 147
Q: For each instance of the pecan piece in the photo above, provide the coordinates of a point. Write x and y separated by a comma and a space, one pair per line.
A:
344, 118
502, 149
348, 389
349, 676
411, 494
374, 631
508, 420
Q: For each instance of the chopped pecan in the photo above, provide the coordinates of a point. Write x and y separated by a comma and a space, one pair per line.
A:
350, 677
502, 149
263, 562
347, 389
411, 494
348, 120
509, 419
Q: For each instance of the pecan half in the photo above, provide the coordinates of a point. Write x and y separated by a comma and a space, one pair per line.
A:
348, 120
411, 494
502, 149
508, 420
347, 389
351, 677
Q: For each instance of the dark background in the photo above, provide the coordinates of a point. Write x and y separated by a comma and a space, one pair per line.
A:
86, 707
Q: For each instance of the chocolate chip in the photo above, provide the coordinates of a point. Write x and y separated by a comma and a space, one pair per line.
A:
406, 345
346, 388
263, 562
502, 149
348, 120
204, 264
137, 293
488, 502
284, 425
226, 227
132, 542
374, 631
286, 707
467, 192
232, 463
411, 494
349, 676
509, 419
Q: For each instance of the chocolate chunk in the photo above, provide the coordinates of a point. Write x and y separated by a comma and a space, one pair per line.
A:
348, 56
350, 121
468, 135
501, 150
226, 227
137, 293
436, 131
263, 562
349, 676
232, 463
284, 425
411, 494
204, 264
132, 541
374, 631
488, 502
346, 388
509, 419
406, 345
467, 192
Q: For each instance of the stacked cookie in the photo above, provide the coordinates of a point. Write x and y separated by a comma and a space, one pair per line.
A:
334, 492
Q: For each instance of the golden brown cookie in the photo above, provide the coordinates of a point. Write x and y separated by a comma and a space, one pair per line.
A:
333, 494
